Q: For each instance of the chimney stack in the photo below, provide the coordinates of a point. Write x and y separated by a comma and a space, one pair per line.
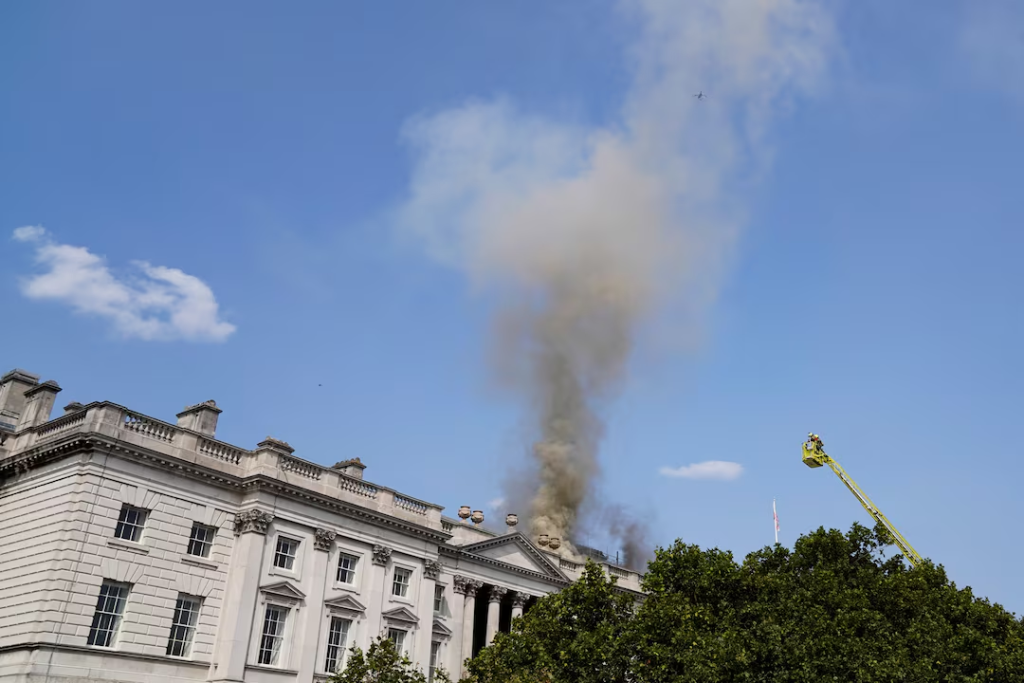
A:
38, 404
353, 467
201, 418
13, 386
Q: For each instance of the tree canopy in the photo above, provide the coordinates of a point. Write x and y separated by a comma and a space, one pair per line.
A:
834, 608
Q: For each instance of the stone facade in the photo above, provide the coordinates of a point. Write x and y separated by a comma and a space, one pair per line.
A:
140, 550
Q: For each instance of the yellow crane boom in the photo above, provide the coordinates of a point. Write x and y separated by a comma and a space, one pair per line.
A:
815, 456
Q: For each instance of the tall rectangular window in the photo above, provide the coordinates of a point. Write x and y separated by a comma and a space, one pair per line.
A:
400, 584
109, 609
347, 568
438, 598
435, 650
273, 635
130, 523
336, 640
397, 636
284, 555
201, 540
183, 627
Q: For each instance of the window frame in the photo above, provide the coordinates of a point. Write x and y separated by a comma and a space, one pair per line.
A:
402, 647
440, 599
113, 625
207, 542
280, 635
433, 659
354, 570
297, 543
409, 574
189, 629
137, 527
340, 648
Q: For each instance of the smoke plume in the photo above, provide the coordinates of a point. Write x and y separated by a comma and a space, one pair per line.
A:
583, 235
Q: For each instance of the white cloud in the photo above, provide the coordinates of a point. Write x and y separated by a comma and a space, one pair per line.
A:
993, 43
156, 303
495, 504
710, 469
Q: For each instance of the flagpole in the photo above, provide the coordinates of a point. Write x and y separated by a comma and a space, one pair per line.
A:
775, 515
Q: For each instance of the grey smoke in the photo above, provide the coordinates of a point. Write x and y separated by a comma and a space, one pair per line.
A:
583, 236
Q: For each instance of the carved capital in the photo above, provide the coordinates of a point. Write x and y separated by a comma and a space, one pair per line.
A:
324, 539
519, 599
254, 521
465, 586
381, 554
497, 593
432, 569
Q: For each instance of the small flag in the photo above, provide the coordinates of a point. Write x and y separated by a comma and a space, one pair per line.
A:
776, 516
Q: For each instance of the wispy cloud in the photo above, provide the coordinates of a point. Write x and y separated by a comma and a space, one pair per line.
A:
153, 303
495, 504
710, 469
993, 42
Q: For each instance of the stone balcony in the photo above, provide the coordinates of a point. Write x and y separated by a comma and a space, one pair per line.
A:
271, 458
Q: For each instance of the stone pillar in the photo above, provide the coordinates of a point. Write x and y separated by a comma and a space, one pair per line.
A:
425, 633
201, 418
518, 603
377, 596
236, 617
309, 638
469, 587
494, 610
38, 404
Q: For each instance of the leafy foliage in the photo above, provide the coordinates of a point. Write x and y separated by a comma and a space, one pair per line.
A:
832, 609
382, 663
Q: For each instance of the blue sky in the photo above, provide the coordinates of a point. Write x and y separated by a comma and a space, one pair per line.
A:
868, 290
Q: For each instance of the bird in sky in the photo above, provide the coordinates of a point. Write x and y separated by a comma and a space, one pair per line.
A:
700, 95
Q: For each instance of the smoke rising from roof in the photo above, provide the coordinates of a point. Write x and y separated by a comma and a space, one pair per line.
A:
585, 234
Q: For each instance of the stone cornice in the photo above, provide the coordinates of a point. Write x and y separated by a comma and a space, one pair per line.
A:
62, 447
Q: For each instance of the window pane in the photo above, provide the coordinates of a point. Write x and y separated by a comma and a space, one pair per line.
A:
397, 636
109, 608
130, 523
284, 555
201, 541
336, 640
347, 568
435, 648
273, 634
438, 598
183, 626
400, 585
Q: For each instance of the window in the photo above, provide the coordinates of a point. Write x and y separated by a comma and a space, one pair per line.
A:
201, 541
273, 635
284, 556
435, 650
336, 640
109, 609
400, 585
130, 523
438, 598
397, 636
347, 568
186, 613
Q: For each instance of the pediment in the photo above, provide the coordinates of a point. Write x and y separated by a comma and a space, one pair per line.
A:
283, 590
440, 629
401, 614
517, 550
345, 603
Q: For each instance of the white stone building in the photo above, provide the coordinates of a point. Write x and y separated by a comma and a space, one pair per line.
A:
133, 549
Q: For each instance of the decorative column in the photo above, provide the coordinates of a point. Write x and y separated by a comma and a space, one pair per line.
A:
431, 570
238, 610
518, 603
309, 638
378, 595
467, 587
493, 611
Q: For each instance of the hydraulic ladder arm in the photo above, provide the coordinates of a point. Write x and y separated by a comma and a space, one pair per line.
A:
815, 456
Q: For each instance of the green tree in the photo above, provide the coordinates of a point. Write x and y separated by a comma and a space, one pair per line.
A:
834, 608
382, 663
578, 635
